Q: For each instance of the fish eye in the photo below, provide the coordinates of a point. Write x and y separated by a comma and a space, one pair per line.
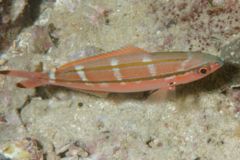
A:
203, 70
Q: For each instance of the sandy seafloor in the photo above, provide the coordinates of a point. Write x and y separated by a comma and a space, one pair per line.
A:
201, 121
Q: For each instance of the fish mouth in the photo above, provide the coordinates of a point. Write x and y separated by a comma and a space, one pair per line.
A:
220, 61
218, 64
214, 59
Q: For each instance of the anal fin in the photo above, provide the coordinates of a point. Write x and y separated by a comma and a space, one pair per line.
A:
161, 95
96, 93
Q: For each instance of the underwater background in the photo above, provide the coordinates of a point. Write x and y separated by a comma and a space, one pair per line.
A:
199, 121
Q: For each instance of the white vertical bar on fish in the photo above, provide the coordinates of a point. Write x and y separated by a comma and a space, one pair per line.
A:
151, 67
81, 72
116, 71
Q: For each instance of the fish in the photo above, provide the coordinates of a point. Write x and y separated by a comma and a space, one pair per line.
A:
128, 69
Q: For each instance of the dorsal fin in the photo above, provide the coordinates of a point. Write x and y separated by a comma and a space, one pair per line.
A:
126, 50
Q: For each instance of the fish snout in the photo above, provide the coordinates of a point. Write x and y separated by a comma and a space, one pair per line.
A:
217, 64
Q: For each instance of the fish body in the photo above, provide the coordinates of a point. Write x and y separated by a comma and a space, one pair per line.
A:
129, 69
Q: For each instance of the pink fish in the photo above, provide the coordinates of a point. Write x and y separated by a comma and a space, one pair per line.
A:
129, 69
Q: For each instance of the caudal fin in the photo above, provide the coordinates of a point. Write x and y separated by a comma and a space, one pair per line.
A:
23, 74
32, 83
35, 79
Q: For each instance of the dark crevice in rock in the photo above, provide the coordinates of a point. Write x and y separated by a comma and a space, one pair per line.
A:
13, 19
19, 110
34, 9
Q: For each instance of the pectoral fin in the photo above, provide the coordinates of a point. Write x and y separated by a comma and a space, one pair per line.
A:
96, 93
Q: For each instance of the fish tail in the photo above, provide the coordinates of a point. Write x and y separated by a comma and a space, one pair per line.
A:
23, 74
35, 79
32, 83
